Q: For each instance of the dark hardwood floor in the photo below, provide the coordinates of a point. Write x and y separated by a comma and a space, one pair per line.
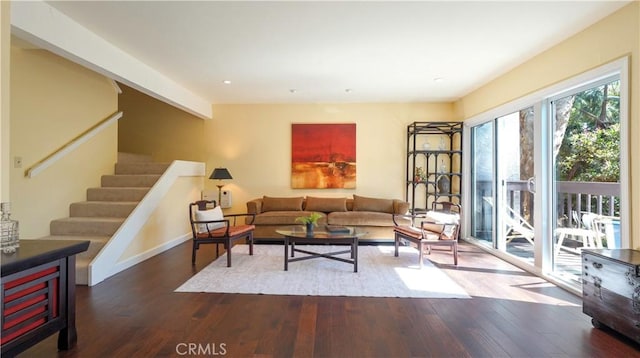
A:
512, 314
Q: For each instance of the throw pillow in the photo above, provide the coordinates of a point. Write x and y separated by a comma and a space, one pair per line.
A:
209, 215
325, 205
281, 204
361, 203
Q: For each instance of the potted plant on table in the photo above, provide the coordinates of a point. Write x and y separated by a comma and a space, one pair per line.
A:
310, 221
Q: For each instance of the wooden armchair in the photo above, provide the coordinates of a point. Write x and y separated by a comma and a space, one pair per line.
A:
439, 227
210, 226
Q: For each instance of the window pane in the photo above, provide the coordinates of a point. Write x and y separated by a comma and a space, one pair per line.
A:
587, 175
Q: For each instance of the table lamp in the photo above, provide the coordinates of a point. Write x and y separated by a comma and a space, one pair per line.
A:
220, 174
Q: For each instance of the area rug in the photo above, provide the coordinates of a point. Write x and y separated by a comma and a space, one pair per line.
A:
380, 274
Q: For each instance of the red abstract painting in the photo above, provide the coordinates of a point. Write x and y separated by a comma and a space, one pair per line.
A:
323, 156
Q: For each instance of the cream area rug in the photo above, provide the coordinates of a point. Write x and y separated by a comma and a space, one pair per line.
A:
380, 274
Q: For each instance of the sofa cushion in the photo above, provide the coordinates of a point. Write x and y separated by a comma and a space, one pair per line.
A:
281, 204
360, 218
325, 205
362, 203
284, 218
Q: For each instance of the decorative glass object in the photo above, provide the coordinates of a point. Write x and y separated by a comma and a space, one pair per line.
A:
8, 230
443, 182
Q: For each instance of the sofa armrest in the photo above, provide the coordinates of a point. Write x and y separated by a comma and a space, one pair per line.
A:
254, 206
400, 207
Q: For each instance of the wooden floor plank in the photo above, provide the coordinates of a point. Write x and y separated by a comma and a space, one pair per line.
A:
136, 313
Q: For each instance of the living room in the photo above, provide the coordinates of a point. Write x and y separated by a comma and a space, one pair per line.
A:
252, 140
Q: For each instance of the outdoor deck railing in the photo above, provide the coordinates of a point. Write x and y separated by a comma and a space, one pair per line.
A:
578, 197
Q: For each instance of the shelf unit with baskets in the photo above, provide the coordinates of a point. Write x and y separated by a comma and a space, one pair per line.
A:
434, 163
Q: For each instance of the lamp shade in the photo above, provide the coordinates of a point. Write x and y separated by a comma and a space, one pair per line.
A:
220, 173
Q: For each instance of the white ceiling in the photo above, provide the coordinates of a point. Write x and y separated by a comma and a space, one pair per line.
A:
381, 51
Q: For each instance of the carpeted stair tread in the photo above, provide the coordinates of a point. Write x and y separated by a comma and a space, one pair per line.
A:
86, 226
96, 243
107, 207
116, 209
129, 180
117, 194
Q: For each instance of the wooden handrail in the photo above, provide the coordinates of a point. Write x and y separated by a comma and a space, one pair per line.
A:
71, 145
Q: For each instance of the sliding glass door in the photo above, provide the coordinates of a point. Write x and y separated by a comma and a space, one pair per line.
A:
548, 174
483, 181
502, 170
586, 162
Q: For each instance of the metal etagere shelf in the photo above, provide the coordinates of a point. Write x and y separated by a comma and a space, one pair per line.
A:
434, 162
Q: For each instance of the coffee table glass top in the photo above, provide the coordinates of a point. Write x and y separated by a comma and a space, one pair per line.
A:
322, 231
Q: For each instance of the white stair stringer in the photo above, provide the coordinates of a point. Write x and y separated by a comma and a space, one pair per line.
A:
107, 262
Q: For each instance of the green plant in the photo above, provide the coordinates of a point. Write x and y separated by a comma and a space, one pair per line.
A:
311, 219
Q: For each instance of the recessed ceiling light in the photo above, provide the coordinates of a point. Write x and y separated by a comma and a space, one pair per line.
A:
293, 90
438, 80
226, 82
348, 90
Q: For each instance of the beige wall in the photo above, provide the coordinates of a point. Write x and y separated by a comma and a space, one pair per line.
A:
168, 221
616, 36
152, 127
52, 102
254, 143
5, 56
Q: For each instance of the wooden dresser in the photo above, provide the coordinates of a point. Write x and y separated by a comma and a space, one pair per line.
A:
611, 290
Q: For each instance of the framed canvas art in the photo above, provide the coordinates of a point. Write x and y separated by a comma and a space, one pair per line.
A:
323, 156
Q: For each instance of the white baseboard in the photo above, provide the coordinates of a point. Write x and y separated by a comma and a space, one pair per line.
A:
136, 259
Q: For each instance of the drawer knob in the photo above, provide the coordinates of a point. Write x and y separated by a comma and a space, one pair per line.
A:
597, 265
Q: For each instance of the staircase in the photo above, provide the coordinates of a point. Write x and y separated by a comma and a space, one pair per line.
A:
107, 207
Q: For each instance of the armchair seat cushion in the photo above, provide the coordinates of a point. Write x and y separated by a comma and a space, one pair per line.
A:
409, 231
416, 233
233, 231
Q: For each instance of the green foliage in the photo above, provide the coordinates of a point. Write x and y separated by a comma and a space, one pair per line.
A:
590, 148
311, 219
593, 156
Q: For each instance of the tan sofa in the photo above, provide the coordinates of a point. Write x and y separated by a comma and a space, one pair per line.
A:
373, 215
